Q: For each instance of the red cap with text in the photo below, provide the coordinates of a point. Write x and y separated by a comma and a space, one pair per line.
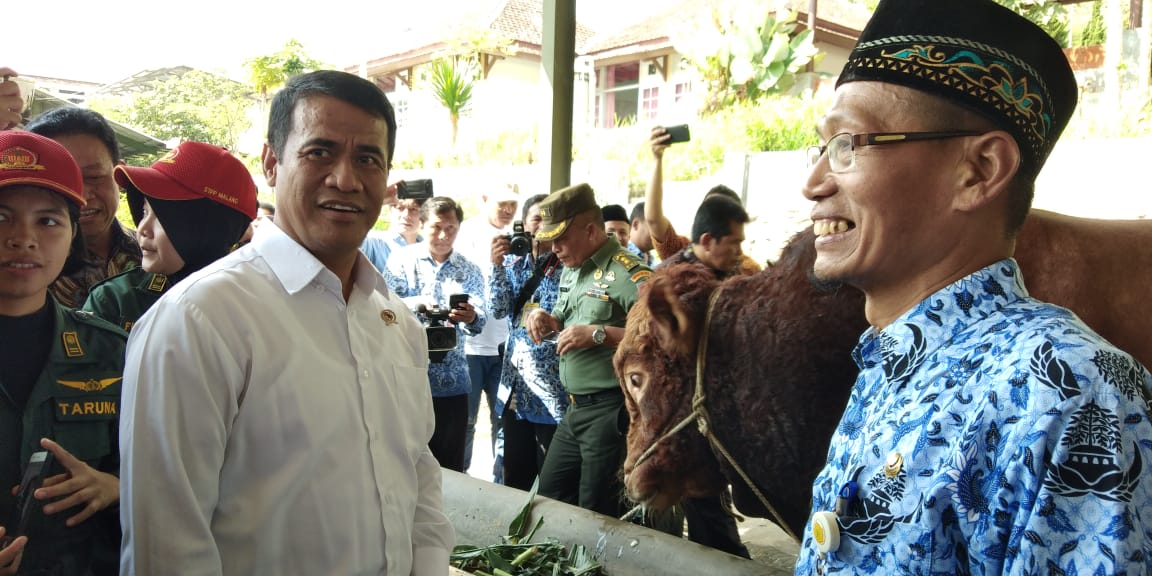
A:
192, 171
33, 160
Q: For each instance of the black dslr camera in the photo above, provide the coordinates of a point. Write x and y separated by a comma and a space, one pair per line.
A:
414, 189
519, 241
441, 339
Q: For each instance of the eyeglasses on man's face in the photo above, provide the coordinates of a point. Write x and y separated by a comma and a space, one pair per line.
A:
841, 148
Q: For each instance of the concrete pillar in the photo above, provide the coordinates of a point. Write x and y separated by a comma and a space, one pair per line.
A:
559, 54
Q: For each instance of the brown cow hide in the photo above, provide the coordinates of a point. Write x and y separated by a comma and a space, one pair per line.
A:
779, 365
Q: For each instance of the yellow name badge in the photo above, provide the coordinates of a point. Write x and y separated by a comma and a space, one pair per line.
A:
528, 308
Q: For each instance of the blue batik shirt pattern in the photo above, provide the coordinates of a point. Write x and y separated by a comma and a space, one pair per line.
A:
378, 248
990, 433
414, 276
531, 371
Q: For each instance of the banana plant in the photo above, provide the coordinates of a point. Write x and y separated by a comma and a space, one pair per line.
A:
747, 51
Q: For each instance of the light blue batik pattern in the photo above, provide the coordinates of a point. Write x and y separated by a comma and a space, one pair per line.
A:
1024, 437
414, 276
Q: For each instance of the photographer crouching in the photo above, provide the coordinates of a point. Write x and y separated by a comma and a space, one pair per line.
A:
443, 287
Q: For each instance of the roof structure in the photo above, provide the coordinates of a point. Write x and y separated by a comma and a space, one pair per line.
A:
131, 142
521, 21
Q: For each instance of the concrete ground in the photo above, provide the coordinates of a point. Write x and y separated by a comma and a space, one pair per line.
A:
758, 534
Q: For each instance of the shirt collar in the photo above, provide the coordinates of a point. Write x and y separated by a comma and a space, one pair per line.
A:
294, 266
602, 257
933, 322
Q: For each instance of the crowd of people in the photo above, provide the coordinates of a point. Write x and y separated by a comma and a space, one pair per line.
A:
236, 387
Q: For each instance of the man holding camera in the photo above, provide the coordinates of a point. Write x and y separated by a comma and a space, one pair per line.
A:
485, 352
598, 286
404, 229
429, 274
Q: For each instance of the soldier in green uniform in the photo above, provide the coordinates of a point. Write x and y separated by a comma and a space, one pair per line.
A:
597, 288
60, 372
191, 207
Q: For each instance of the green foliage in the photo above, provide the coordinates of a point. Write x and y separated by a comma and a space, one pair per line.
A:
1047, 14
271, 71
451, 81
197, 106
1095, 32
748, 51
468, 41
516, 555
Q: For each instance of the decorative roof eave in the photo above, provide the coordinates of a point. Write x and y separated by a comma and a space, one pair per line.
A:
425, 54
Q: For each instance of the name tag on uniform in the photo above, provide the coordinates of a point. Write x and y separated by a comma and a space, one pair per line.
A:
528, 308
86, 408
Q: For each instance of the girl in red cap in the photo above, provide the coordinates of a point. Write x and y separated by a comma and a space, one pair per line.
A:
60, 372
190, 208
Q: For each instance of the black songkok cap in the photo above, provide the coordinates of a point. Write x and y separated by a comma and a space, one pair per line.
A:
979, 55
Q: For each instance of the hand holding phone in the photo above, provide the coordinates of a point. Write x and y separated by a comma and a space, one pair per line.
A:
677, 134
39, 466
455, 300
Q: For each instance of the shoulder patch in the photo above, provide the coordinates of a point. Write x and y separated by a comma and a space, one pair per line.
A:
89, 319
157, 283
72, 347
641, 276
627, 260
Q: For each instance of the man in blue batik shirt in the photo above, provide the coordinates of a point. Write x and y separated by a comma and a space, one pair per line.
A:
429, 273
532, 400
987, 432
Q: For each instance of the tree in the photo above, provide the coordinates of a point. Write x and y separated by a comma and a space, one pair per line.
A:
271, 71
748, 51
197, 106
452, 86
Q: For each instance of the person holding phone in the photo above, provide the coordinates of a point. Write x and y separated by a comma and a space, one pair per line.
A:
664, 237
430, 273
60, 373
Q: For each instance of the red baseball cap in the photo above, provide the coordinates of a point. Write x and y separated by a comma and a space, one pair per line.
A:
192, 171
27, 158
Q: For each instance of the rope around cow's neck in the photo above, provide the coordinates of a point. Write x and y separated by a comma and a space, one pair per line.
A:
700, 415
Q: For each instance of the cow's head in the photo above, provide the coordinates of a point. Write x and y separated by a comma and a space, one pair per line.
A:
656, 365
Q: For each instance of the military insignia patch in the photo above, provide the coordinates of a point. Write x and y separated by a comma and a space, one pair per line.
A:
641, 276
19, 158
89, 385
388, 316
72, 347
627, 260
158, 283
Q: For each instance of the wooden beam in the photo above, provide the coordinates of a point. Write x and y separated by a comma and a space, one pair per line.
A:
661, 63
487, 61
405, 76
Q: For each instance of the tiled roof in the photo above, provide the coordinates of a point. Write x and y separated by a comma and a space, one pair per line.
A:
840, 18
521, 21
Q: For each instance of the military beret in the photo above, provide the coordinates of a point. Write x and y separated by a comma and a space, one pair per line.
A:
978, 54
561, 206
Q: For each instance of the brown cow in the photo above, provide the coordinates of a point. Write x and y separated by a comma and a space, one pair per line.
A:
779, 368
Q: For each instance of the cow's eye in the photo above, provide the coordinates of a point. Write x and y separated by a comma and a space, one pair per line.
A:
636, 380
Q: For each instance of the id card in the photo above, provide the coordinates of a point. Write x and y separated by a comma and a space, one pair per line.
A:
528, 308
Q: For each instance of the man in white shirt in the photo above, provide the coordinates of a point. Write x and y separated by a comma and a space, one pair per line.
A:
276, 410
485, 351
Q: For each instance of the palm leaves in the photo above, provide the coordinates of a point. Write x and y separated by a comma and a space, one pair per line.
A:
451, 80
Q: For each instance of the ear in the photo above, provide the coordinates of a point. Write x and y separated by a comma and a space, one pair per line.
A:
990, 163
707, 242
670, 324
269, 162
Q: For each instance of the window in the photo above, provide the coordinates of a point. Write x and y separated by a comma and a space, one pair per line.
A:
683, 89
651, 101
618, 94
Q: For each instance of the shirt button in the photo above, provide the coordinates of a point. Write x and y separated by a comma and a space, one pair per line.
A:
365, 372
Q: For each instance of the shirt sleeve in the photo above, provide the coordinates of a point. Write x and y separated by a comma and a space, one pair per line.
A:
500, 291
669, 244
433, 536
177, 365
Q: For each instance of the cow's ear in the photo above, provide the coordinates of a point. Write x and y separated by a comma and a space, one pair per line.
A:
671, 325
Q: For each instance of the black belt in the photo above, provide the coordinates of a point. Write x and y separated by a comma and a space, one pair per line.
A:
601, 396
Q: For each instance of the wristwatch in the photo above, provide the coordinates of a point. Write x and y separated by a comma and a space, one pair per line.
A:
599, 335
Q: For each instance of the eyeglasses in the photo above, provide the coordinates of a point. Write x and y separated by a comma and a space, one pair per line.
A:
841, 148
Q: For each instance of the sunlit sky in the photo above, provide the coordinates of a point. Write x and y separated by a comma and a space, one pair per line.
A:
105, 41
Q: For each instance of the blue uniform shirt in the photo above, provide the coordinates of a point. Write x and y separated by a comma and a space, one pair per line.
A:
990, 433
531, 371
378, 248
414, 276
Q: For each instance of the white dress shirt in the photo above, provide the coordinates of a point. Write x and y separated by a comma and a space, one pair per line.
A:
269, 427
475, 243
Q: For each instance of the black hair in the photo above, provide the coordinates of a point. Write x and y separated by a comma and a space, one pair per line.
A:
529, 203
637, 212
267, 207
715, 216
77, 251
722, 190
343, 86
70, 121
441, 205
